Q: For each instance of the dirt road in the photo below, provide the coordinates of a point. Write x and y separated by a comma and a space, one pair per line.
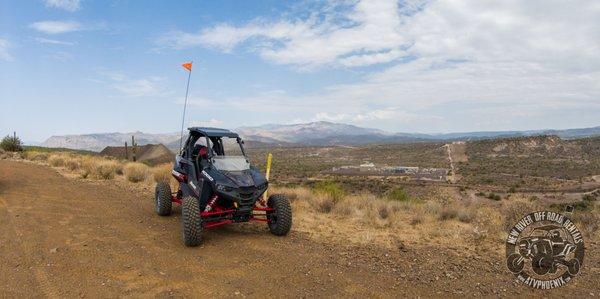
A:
62, 237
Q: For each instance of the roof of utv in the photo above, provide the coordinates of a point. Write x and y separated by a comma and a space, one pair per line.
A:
214, 132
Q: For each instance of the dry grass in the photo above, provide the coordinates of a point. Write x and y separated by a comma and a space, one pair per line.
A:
56, 160
328, 213
73, 163
98, 168
136, 172
162, 173
440, 218
36, 156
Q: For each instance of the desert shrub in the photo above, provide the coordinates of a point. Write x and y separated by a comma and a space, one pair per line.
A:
11, 144
344, 209
85, 173
494, 196
514, 211
106, 169
533, 198
330, 189
465, 215
588, 197
480, 194
416, 219
583, 205
162, 173
98, 168
324, 204
293, 194
119, 169
398, 194
135, 172
587, 222
448, 213
56, 160
36, 156
383, 211
72, 164
432, 208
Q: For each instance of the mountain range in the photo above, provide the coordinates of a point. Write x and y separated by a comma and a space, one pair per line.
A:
314, 133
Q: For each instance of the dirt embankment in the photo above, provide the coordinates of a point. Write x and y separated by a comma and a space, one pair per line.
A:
69, 238
152, 154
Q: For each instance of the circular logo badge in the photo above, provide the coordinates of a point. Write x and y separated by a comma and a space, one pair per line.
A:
544, 250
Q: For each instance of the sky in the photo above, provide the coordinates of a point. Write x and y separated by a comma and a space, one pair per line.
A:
82, 66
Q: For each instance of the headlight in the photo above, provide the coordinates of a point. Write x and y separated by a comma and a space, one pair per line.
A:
224, 188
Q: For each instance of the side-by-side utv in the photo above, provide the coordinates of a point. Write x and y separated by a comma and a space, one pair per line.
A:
217, 185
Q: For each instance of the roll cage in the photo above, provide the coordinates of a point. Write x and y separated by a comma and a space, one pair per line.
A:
214, 144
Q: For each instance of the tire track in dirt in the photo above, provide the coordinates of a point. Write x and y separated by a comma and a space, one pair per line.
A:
12, 234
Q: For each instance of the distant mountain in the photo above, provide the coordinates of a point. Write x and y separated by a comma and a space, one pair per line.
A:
97, 142
314, 133
327, 133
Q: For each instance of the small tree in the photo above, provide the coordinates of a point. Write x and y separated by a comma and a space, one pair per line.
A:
11, 144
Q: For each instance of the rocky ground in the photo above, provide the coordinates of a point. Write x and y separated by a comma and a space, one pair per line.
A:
63, 237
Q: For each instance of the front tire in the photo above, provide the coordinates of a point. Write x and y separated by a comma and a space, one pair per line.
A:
541, 263
573, 266
280, 220
515, 263
162, 198
191, 221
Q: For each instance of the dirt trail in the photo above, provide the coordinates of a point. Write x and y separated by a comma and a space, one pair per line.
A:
68, 238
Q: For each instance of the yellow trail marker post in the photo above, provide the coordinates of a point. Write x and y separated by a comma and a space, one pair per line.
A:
267, 173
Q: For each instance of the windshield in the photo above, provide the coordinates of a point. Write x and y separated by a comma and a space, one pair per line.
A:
231, 163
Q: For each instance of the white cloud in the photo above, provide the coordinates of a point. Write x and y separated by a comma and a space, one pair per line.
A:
206, 123
4, 54
56, 27
452, 64
42, 40
151, 86
68, 5
373, 32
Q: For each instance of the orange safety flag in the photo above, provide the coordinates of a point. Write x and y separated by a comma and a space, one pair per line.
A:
187, 65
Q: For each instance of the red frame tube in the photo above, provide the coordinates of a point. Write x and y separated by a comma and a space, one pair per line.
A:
213, 224
217, 223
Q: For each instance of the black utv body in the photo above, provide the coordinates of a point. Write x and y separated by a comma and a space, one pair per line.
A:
217, 185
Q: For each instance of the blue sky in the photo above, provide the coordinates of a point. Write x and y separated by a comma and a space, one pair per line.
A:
73, 67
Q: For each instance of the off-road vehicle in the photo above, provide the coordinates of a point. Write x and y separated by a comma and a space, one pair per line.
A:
217, 186
545, 247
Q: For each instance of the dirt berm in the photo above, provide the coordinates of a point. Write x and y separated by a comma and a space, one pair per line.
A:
151, 154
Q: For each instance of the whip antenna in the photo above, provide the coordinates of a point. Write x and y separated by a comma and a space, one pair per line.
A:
187, 66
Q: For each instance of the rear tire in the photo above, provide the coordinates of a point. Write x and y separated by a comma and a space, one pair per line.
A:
280, 220
191, 221
541, 263
162, 197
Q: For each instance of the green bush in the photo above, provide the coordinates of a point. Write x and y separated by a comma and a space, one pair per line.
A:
398, 194
588, 197
11, 144
494, 196
330, 188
